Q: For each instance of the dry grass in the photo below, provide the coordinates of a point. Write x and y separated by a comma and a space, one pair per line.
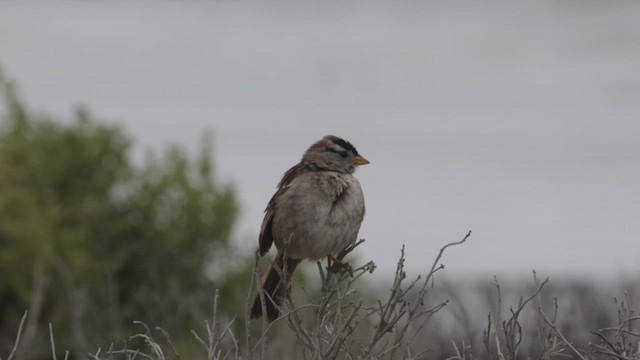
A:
412, 320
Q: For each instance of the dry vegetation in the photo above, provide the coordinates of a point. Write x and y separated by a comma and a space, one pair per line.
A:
414, 319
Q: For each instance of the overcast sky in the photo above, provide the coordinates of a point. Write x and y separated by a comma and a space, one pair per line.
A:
517, 120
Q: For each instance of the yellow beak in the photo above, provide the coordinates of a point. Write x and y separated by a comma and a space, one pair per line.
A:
359, 160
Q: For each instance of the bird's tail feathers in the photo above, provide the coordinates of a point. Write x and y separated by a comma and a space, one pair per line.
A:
273, 288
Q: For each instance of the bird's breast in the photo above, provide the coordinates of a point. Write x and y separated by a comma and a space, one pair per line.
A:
319, 216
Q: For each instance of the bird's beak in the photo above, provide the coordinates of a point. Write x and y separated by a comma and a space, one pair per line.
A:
359, 160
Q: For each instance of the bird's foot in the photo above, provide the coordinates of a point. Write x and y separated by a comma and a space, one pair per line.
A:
338, 266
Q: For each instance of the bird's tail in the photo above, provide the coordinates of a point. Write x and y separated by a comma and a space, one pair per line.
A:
274, 289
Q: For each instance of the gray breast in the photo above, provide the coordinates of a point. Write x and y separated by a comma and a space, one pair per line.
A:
320, 213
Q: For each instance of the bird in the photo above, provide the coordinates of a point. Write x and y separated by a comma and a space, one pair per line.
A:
316, 212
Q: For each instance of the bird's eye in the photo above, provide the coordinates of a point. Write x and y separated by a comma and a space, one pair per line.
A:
344, 154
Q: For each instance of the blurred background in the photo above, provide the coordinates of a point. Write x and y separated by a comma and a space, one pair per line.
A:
516, 120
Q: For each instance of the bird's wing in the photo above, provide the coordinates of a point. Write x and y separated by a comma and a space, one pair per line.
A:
266, 236
265, 240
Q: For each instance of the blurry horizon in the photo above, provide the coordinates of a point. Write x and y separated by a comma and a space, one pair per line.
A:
518, 121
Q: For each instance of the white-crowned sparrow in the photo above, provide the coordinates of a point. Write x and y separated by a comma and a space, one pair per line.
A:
316, 212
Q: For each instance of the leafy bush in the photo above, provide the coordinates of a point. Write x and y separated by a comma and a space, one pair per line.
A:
90, 242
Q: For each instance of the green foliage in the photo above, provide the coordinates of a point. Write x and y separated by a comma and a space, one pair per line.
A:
91, 242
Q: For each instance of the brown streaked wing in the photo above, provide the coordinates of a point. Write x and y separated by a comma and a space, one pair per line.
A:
265, 239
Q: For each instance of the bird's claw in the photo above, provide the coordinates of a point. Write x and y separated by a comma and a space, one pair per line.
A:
338, 266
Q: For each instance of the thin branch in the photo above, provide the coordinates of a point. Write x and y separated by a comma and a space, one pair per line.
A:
53, 343
15, 344
560, 335
440, 253
168, 340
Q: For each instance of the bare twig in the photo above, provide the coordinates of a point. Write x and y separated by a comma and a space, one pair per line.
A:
167, 338
150, 341
255, 273
560, 335
620, 346
413, 309
17, 342
53, 345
